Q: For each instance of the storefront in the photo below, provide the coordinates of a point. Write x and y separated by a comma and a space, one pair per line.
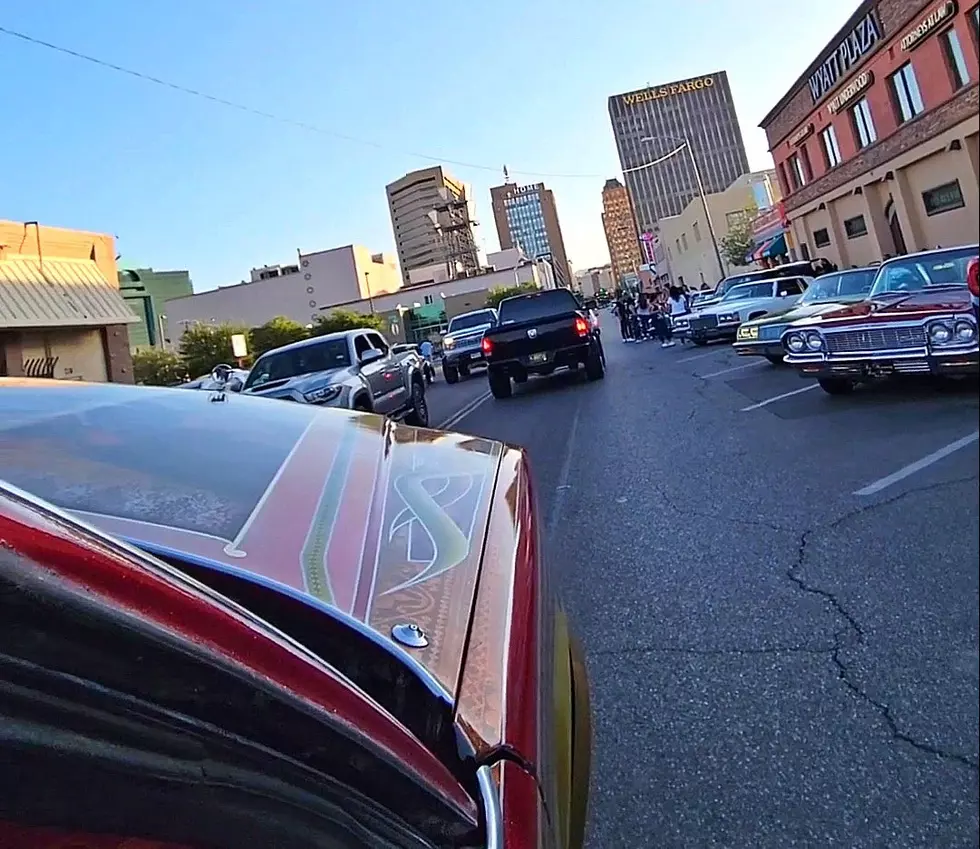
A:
876, 145
772, 238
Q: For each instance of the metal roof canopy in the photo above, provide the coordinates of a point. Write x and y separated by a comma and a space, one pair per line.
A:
57, 292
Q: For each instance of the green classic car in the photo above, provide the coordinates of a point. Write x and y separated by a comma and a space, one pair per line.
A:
761, 336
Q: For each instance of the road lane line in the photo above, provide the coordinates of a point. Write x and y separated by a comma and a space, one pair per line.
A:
462, 413
699, 356
917, 466
566, 472
730, 370
773, 400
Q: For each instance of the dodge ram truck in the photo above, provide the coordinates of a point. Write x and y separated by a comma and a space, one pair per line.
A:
537, 334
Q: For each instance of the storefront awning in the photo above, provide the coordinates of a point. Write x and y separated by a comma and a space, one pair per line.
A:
760, 251
776, 247
57, 292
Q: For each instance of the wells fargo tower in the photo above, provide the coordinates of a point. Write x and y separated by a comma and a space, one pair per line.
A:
653, 121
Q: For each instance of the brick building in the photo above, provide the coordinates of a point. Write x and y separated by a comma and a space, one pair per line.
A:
619, 226
876, 145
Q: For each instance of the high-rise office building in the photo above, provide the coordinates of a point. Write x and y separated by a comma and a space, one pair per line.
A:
652, 122
527, 218
620, 227
431, 217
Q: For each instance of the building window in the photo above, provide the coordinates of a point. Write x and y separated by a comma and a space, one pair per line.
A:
864, 128
783, 181
796, 171
821, 238
427, 299
975, 14
955, 60
831, 149
943, 198
905, 89
855, 227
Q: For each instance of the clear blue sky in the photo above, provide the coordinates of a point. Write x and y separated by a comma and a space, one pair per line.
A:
186, 183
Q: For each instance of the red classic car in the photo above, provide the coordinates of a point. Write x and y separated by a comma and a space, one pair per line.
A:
233, 623
918, 319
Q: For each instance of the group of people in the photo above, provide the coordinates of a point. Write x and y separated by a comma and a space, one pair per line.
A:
644, 316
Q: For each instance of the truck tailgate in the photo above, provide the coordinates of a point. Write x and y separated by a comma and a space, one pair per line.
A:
518, 341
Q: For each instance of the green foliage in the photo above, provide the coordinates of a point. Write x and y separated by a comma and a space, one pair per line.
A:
498, 293
203, 346
156, 367
737, 243
338, 320
275, 333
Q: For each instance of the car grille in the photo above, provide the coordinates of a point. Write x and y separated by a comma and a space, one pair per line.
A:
771, 332
707, 322
468, 342
875, 339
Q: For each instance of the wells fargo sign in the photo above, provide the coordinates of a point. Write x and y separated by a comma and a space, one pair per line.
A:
942, 13
660, 92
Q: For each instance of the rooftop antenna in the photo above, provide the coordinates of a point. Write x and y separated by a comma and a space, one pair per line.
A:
506, 175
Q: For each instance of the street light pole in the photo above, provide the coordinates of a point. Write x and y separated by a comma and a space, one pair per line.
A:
367, 286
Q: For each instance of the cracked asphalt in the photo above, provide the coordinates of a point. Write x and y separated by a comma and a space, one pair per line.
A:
776, 662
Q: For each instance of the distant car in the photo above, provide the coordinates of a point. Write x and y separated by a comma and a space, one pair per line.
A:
742, 303
222, 377
919, 318
806, 268
461, 349
761, 337
404, 349
353, 369
257, 625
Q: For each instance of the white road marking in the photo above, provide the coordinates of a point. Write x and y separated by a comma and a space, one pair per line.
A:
699, 356
565, 474
730, 370
773, 400
918, 465
462, 413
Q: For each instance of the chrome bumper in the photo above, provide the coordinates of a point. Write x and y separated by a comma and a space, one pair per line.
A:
965, 360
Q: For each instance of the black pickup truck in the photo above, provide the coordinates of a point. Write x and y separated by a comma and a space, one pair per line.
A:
540, 333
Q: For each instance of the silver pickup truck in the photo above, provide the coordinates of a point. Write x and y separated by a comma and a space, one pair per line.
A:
461, 346
354, 369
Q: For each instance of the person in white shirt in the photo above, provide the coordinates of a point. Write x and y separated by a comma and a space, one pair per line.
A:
677, 302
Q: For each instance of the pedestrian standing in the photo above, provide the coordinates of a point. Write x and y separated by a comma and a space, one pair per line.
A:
644, 314
622, 313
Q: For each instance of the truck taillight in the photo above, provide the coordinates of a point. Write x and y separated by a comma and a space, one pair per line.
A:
973, 277
581, 327
486, 345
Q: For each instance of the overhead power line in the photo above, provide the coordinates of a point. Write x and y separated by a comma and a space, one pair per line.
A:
270, 116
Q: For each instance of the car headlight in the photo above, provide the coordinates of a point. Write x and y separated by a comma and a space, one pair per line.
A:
795, 342
745, 332
322, 395
448, 342
965, 332
728, 317
814, 341
940, 332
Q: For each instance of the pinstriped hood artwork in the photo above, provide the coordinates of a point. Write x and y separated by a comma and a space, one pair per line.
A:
382, 523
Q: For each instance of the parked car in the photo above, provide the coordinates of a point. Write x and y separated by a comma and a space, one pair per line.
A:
537, 334
353, 369
461, 349
247, 625
421, 363
918, 319
222, 377
806, 268
761, 337
742, 303
973, 283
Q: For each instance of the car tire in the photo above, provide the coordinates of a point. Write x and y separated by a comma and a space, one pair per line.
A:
594, 368
836, 385
362, 405
774, 360
500, 385
418, 414
450, 373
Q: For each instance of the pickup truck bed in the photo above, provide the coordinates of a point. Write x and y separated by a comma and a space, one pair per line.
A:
537, 334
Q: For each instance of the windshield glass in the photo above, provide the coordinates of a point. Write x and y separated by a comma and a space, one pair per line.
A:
755, 290
538, 306
307, 359
846, 284
471, 320
915, 273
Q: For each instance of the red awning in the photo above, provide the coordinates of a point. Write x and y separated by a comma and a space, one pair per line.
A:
760, 251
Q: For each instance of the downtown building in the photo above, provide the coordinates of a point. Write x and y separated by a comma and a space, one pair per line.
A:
649, 123
526, 218
622, 238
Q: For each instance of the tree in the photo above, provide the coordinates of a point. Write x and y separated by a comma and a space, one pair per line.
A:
275, 333
338, 320
203, 346
156, 367
738, 243
498, 293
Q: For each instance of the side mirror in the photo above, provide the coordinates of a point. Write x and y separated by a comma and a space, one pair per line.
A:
370, 355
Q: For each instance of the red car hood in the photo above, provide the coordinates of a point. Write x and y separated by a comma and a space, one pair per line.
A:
897, 307
384, 524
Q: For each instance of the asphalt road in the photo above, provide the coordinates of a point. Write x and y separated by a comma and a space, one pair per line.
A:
778, 598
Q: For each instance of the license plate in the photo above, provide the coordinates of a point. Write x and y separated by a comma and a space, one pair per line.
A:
475, 356
538, 358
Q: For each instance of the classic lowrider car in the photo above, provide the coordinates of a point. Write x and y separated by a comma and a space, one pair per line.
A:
761, 337
742, 303
232, 624
917, 319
